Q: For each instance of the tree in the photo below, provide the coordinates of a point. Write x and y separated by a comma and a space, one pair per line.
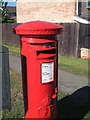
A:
3, 11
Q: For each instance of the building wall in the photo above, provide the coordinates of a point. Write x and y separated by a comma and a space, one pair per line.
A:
85, 13
48, 10
11, 11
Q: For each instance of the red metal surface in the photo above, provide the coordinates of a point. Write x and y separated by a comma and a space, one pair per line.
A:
38, 28
42, 98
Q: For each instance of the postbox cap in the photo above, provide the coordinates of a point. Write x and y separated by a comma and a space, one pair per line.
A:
38, 28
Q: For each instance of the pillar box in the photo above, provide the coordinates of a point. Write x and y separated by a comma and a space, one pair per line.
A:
39, 55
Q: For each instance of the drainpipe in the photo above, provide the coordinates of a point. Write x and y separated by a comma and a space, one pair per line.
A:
77, 7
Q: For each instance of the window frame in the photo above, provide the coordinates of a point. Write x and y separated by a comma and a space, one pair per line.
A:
87, 4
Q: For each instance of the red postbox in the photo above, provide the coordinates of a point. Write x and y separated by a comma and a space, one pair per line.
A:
39, 54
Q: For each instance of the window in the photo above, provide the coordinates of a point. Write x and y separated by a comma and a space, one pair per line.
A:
88, 4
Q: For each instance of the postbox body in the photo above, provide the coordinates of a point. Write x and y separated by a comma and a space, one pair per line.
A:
39, 51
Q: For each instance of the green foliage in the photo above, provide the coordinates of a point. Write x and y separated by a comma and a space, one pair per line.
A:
4, 16
4, 11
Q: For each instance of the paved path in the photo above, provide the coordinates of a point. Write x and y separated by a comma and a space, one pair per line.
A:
15, 63
67, 82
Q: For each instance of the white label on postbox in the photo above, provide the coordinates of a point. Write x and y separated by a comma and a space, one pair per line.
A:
47, 72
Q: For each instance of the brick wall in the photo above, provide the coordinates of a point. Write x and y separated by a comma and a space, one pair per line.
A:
59, 11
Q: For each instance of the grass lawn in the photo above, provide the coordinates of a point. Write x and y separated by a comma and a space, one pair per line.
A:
71, 64
13, 50
74, 65
87, 116
17, 104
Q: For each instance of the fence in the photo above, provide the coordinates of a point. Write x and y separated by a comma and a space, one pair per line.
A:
74, 37
8, 37
69, 42
84, 36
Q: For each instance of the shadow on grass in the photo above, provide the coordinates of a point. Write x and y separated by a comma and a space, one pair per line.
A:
76, 105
